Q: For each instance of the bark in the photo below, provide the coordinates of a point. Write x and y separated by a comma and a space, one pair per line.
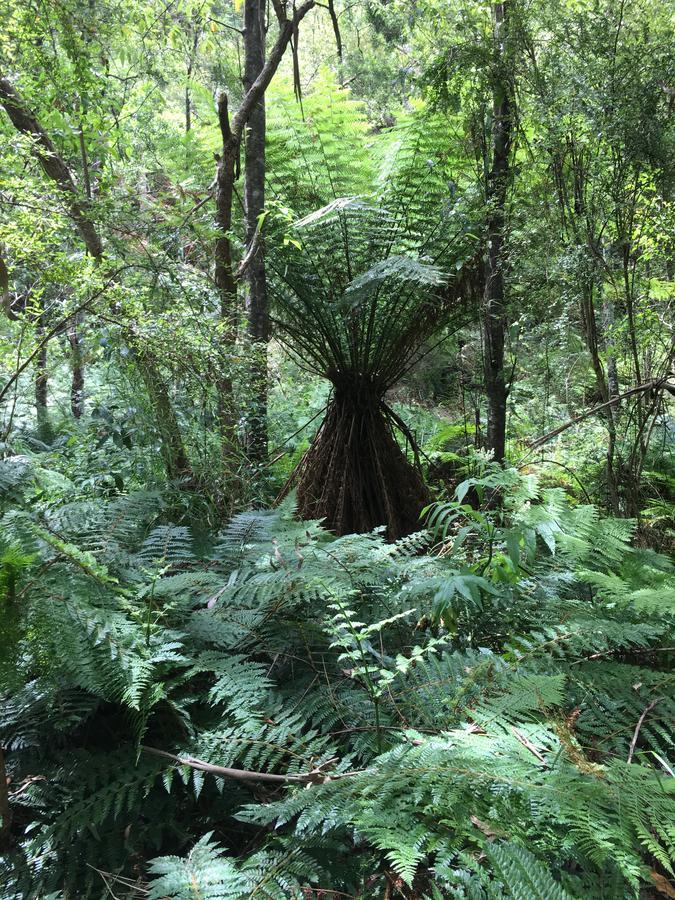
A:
355, 477
590, 330
77, 363
41, 380
227, 171
607, 325
494, 311
338, 37
258, 325
42, 383
196, 36
225, 279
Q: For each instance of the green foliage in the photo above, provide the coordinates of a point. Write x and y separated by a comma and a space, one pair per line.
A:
205, 872
479, 711
523, 874
469, 713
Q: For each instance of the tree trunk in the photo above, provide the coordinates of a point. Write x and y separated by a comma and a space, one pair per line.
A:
494, 311
42, 384
176, 462
355, 476
5, 809
227, 171
257, 305
226, 282
77, 362
590, 330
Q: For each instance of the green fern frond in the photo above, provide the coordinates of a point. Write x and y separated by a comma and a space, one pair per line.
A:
523, 874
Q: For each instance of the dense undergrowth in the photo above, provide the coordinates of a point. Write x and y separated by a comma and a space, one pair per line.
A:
480, 710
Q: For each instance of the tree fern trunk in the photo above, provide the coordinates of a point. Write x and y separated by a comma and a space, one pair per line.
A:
355, 476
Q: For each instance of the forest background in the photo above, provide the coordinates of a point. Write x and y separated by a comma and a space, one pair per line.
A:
337, 472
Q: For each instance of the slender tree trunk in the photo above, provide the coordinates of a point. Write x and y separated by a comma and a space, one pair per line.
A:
227, 171
612, 390
257, 305
173, 453
494, 310
77, 363
338, 38
226, 282
42, 384
590, 330
196, 36
41, 381
5, 808
607, 325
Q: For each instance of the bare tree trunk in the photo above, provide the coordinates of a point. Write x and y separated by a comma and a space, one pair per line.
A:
258, 325
607, 325
494, 310
77, 363
338, 37
196, 31
42, 384
257, 79
225, 279
590, 330
41, 381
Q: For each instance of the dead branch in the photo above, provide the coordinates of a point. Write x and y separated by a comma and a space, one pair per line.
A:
645, 712
317, 775
657, 385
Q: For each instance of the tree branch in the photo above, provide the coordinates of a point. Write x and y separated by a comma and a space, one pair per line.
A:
336, 29
287, 27
645, 711
659, 384
223, 116
53, 165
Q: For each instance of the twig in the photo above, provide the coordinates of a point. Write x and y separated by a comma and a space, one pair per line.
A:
652, 385
527, 743
196, 207
54, 331
646, 710
316, 776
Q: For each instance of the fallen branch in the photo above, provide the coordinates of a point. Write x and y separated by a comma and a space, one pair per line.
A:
658, 384
317, 775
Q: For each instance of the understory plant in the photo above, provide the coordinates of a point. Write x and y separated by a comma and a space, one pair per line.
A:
483, 709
